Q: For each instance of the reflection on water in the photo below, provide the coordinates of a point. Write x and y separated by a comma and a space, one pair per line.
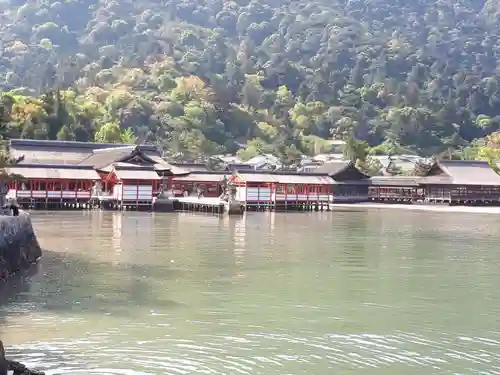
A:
351, 291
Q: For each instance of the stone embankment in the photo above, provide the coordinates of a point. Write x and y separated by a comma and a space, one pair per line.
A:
19, 249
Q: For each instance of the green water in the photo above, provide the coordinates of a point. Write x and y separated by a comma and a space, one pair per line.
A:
354, 291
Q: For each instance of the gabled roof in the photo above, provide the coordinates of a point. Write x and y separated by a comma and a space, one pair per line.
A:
160, 163
338, 167
334, 167
135, 172
462, 172
61, 152
104, 157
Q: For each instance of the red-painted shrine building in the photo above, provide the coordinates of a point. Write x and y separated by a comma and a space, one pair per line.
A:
54, 173
57, 173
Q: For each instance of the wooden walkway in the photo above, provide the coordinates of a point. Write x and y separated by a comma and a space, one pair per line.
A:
202, 204
205, 204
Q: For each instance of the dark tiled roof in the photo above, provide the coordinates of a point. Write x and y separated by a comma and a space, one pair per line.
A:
66, 172
333, 167
341, 171
61, 152
464, 172
238, 166
437, 180
191, 167
61, 145
103, 157
160, 163
135, 172
202, 177
50, 156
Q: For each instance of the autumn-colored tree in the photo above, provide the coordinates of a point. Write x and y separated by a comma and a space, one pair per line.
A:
198, 78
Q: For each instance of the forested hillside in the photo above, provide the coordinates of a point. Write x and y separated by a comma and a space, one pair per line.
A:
282, 76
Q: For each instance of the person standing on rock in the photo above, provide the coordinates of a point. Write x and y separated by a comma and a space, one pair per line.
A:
15, 210
13, 206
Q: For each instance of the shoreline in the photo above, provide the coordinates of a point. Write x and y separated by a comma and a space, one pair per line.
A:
419, 207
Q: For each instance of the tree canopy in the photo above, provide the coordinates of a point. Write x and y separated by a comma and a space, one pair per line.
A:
200, 77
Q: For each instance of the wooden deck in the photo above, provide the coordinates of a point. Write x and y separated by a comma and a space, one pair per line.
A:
202, 200
108, 202
205, 204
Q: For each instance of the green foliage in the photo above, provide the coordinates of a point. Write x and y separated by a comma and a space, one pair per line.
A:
201, 77
370, 166
355, 149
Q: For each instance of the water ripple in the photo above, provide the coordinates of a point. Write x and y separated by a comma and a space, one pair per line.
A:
366, 292
212, 355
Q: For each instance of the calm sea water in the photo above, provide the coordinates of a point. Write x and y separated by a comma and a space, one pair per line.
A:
354, 291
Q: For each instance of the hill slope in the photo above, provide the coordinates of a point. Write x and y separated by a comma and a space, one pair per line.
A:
280, 75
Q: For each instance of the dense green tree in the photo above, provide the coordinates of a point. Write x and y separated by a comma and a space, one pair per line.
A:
199, 77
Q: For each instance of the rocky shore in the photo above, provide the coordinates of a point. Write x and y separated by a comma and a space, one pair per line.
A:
19, 249
16, 367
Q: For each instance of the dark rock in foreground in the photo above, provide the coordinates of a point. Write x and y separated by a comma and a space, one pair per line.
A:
16, 367
19, 248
